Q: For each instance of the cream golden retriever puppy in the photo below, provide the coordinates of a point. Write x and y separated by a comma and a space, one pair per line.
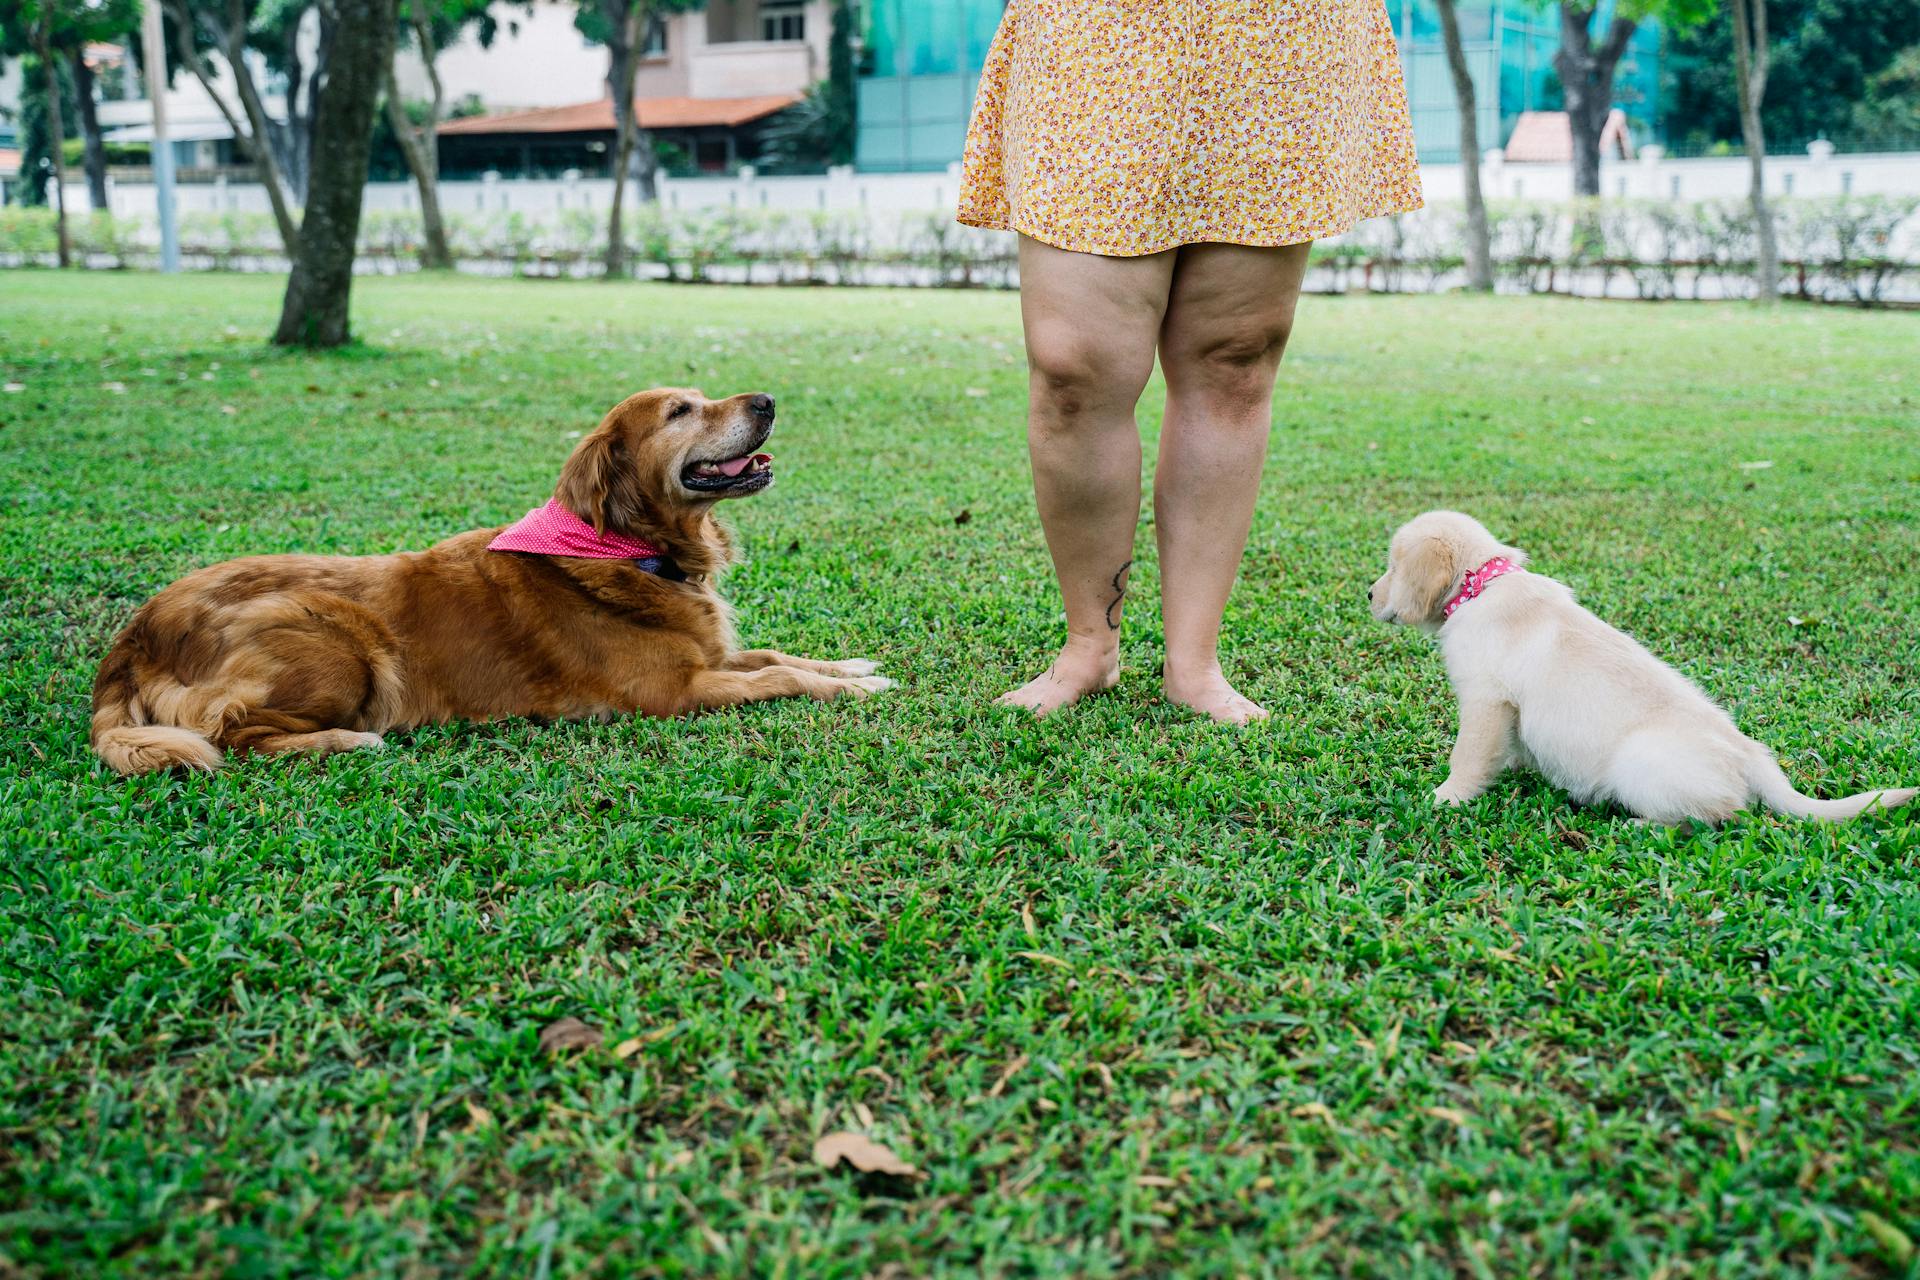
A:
1542, 682
600, 603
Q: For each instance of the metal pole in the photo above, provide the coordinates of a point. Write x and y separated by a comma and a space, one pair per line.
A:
154, 55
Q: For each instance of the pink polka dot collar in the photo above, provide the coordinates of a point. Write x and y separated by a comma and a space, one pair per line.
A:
1498, 567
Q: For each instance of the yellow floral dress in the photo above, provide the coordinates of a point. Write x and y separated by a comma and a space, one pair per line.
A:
1126, 127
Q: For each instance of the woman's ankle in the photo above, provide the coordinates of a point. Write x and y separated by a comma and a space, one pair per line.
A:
1092, 650
1188, 673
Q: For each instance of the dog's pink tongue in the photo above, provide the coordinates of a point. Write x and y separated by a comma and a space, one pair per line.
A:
734, 466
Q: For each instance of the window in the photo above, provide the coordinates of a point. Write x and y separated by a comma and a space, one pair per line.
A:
783, 20
655, 45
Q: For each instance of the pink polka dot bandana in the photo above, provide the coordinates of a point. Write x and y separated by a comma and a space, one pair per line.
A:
553, 530
1498, 567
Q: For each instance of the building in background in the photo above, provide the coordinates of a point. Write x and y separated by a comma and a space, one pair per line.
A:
204, 148
1509, 46
709, 81
924, 60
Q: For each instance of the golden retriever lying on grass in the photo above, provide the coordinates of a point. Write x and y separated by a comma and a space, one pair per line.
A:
1542, 682
600, 604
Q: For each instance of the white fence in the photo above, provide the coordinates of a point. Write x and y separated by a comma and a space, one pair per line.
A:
1651, 176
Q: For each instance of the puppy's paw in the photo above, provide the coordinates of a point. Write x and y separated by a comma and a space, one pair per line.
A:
863, 686
1450, 796
853, 667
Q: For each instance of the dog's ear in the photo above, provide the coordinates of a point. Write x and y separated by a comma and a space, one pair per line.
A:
1425, 578
596, 483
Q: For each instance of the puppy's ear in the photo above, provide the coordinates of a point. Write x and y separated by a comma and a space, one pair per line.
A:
596, 483
1425, 578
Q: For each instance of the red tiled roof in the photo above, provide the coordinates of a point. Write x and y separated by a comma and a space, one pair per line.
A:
1546, 137
655, 113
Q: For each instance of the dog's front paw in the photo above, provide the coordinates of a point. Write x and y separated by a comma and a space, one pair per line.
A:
1448, 794
853, 667
864, 686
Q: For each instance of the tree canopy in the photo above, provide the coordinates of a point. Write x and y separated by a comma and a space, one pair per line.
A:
1826, 55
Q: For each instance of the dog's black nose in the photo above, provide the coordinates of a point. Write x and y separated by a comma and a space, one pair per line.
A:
762, 405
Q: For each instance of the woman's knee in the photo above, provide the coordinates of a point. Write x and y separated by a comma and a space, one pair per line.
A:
1238, 363
1073, 376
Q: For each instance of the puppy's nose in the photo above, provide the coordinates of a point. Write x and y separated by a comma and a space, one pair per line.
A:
762, 405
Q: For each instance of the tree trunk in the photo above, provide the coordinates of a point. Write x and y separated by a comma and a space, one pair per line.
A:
1750, 64
420, 147
1479, 239
627, 21
321, 283
435, 254
1586, 81
260, 129
57, 137
96, 154
295, 138
646, 166
257, 144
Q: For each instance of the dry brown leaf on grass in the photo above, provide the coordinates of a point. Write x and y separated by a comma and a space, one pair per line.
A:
568, 1033
1012, 1070
862, 1152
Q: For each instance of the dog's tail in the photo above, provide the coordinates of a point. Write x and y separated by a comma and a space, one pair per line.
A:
1770, 784
121, 739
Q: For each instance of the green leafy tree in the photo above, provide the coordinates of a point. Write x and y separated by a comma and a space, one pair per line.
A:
32, 185
1890, 111
431, 25
29, 26
622, 26
1824, 55
56, 33
820, 129
226, 27
1588, 58
841, 91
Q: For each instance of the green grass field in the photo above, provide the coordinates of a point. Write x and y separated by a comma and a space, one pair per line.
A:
1137, 994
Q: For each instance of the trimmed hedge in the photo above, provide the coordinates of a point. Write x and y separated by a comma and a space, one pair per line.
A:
1843, 249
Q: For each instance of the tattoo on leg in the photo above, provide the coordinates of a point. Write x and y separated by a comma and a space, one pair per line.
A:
1119, 596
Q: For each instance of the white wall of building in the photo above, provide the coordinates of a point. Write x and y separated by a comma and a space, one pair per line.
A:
1654, 176
538, 58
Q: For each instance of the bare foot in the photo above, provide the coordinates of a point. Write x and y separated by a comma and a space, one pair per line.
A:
1209, 693
1077, 672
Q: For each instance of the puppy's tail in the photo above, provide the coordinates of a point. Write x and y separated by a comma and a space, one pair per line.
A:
129, 746
1771, 785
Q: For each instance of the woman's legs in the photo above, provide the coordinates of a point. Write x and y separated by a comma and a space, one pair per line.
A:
1226, 324
1092, 324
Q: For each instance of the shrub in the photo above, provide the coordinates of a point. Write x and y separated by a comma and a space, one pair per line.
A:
1844, 249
